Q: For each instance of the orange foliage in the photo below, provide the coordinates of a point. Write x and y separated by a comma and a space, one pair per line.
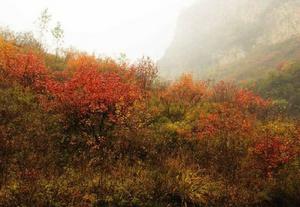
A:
81, 61
228, 92
26, 68
186, 91
248, 100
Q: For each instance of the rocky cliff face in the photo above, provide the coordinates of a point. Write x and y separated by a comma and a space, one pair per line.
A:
212, 33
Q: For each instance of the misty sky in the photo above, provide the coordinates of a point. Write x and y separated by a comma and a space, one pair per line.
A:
107, 27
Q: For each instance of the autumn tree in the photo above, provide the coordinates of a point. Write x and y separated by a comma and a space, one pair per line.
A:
58, 35
146, 72
93, 100
24, 67
43, 23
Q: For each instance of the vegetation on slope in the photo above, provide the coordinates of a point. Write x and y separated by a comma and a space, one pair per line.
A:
283, 86
85, 131
259, 62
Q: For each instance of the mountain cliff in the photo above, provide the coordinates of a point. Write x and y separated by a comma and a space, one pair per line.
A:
215, 37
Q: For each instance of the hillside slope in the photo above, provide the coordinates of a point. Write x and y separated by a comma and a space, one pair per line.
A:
219, 33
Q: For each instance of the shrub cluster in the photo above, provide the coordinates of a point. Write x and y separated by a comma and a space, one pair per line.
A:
101, 132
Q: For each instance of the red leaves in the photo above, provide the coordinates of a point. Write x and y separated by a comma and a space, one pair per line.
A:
91, 98
273, 152
227, 121
29, 70
248, 100
89, 91
26, 68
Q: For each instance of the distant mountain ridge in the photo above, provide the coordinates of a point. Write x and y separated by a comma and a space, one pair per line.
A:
212, 34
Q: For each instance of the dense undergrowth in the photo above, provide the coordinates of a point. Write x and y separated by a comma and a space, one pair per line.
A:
77, 130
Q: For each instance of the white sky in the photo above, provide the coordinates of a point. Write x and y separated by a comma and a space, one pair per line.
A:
109, 27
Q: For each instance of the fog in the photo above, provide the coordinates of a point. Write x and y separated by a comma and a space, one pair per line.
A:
109, 27
226, 34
